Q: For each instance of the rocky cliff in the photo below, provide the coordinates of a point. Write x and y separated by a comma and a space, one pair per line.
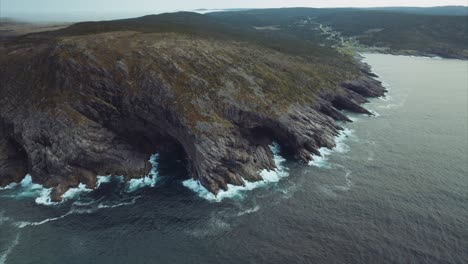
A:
77, 105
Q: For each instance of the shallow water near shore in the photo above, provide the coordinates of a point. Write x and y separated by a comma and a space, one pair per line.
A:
395, 191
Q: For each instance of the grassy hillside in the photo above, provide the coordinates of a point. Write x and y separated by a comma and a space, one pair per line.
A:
198, 25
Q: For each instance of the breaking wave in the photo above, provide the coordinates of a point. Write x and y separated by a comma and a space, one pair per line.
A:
27, 189
42, 195
249, 211
233, 191
9, 186
148, 181
321, 160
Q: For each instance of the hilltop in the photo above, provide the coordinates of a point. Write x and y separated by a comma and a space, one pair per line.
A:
98, 98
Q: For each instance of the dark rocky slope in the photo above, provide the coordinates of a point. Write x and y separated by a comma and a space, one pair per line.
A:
74, 106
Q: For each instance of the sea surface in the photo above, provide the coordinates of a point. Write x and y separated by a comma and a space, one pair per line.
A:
395, 190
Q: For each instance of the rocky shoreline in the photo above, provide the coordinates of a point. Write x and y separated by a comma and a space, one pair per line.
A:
78, 107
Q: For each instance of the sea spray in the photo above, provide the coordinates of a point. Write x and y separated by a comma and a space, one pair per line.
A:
321, 160
73, 193
42, 196
233, 191
102, 180
27, 189
9, 186
148, 181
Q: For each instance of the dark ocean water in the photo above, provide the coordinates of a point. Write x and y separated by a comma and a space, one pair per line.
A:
394, 191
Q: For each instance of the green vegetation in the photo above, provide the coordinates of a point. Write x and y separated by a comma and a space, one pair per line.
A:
198, 25
397, 30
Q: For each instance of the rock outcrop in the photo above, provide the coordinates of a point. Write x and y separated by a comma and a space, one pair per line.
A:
74, 107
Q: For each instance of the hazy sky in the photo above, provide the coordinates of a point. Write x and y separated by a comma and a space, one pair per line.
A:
61, 8
138, 5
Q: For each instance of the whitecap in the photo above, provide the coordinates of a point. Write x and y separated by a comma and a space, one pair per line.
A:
148, 181
321, 160
42, 196
27, 189
45, 198
9, 249
111, 205
107, 179
233, 191
103, 179
249, 211
73, 193
22, 224
9, 186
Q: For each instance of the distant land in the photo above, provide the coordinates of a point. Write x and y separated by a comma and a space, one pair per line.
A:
435, 31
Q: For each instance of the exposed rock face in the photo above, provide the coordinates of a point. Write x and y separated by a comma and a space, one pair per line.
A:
72, 108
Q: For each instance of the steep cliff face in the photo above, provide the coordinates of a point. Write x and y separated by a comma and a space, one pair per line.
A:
74, 107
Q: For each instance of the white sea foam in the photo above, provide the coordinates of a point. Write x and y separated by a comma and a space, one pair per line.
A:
27, 183
111, 205
73, 193
28, 189
249, 211
148, 181
45, 198
106, 179
233, 191
23, 224
7, 251
321, 160
103, 179
9, 186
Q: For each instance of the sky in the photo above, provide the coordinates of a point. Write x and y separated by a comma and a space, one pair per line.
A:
88, 9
